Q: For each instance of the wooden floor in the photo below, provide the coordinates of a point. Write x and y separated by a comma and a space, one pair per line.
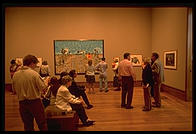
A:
174, 115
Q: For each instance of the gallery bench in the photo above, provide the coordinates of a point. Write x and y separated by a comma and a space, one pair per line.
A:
61, 121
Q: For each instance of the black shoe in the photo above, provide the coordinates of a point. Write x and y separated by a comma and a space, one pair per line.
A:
146, 109
89, 123
129, 107
89, 106
155, 105
106, 90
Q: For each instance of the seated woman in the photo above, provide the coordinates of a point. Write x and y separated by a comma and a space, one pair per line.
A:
52, 90
66, 101
75, 89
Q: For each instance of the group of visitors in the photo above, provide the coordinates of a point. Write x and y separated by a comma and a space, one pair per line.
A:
64, 93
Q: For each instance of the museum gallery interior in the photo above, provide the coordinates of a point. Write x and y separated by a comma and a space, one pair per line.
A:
107, 31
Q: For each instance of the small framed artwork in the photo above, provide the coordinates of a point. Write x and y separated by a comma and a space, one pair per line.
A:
19, 61
170, 58
136, 60
40, 62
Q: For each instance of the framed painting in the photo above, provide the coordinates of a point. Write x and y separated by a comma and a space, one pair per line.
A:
74, 54
170, 59
40, 62
136, 60
19, 61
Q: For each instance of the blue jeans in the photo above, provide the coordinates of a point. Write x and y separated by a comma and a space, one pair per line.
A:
103, 78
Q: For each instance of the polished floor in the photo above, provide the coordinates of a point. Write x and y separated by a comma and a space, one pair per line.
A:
174, 115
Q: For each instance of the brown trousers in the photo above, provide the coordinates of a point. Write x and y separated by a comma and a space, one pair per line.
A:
147, 98
30, 109
157, 96
127, 90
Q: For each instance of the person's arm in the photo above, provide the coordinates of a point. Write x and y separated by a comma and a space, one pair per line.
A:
155, 68
69, 97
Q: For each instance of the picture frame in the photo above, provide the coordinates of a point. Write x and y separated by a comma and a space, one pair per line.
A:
40, 62
74, 54
136, 60
170, 59
19, 60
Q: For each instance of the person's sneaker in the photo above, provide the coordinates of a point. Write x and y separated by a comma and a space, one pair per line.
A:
106, 90
89, 106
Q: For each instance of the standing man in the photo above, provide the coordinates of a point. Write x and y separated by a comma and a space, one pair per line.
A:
158, 77
102, 67
127, 75
28, 86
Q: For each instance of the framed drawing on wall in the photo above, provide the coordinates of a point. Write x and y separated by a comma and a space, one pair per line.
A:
170, 59
136, 60
40, 62
74, 54
19, 61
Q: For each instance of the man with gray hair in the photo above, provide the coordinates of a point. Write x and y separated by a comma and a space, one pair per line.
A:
158, 78
28, 86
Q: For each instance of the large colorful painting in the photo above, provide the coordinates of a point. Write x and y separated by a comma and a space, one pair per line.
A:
74, 54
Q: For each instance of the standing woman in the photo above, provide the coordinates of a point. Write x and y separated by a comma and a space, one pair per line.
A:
147, 83
90, 76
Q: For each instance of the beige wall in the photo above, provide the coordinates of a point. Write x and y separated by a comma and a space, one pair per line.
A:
30, 30
169, 29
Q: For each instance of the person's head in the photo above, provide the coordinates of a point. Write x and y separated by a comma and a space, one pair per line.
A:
154, 56
146, 60
13, 62
63, 74
73, 74
30, 60
53, 81
116, 60
127, 56
103, 59
66, 80
44, 62
90, 62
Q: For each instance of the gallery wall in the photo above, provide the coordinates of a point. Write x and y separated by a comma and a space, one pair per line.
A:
169, 29
32, 30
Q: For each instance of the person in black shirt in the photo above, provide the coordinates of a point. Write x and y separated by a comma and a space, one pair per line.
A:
147, 83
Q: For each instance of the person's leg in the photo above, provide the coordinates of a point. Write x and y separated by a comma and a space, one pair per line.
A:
124, 92
85, 98
100, 84
130, 84
80, 111
145, 100
157, 95
39, 114
26, 116
106, 83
